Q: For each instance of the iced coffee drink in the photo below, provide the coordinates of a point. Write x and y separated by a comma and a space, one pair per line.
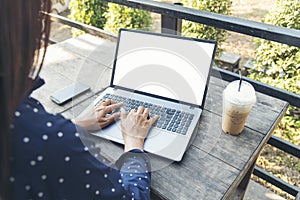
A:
237, 104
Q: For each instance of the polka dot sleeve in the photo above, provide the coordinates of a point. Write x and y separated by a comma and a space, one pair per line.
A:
50, 160
135, 172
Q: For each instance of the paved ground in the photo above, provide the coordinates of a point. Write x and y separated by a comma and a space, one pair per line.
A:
60, 32
256, 191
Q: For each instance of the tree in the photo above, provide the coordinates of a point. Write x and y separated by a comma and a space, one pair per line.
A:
119, 16
192, 29
279, 64
90, 12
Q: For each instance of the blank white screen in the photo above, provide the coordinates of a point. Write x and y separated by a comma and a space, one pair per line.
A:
165, 66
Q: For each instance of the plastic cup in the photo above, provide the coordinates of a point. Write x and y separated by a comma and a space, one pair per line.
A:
237, 106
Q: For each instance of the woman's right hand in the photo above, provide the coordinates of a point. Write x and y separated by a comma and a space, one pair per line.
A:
135, 127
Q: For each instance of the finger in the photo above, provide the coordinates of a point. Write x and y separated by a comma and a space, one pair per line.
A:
153, 119
102, 103
116, 115
132, 111
132, 115
113, 107
106, 102
146, 113
112, 118
123, 114
112, 101
103, 122
140, 110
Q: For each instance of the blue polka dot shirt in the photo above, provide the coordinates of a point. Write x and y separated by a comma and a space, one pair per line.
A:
53, 159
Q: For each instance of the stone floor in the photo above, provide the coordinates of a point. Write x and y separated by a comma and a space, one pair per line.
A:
255, 191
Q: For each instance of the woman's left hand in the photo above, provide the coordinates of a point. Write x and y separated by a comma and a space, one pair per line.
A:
95, 117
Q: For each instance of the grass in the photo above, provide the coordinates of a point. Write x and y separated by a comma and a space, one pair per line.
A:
280, 164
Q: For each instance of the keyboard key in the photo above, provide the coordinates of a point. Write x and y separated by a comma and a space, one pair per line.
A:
170, 119
170, 111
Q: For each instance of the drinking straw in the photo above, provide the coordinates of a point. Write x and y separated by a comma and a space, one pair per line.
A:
240, 83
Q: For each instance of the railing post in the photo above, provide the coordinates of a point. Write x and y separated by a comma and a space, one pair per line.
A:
171, 25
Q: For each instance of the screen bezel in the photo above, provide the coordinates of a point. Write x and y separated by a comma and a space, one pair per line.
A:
158, 96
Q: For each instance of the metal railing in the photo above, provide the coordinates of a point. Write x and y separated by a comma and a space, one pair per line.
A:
172, 14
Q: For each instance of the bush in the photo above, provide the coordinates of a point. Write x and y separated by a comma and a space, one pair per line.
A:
202, 31
90, 12
279, 64
125, 17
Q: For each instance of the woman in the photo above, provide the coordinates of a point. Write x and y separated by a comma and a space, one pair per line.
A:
45, 156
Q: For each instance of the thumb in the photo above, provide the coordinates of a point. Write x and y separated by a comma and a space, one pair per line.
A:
153, 119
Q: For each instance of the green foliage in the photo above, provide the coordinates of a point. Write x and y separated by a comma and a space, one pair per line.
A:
202, 31
279, 64
90, 12
125, 17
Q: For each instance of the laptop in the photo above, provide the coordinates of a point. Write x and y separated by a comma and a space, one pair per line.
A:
168, 74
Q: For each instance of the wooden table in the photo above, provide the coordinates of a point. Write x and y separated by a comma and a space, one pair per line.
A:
216, 166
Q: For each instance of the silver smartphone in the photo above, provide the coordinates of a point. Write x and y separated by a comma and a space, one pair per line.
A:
63, 95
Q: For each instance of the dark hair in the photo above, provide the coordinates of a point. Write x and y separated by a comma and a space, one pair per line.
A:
24, 33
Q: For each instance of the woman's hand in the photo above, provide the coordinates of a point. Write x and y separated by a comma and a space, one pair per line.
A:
95, 117
135, 127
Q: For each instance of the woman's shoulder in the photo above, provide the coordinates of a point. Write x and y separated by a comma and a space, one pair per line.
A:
32, 123
32, 113
37, 131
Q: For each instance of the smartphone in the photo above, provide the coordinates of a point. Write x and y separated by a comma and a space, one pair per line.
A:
63, 95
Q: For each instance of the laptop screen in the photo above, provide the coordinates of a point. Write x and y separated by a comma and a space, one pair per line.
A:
168, 66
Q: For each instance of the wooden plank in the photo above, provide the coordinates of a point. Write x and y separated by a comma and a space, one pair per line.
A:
238, 151
92, 48
77, 67
196, 166
76, 109
196, 177
215, 163
63, 67
55, 81
233, 150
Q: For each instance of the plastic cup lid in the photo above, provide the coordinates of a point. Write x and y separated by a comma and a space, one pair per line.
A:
245, 96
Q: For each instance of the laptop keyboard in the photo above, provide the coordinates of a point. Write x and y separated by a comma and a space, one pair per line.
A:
169, 119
